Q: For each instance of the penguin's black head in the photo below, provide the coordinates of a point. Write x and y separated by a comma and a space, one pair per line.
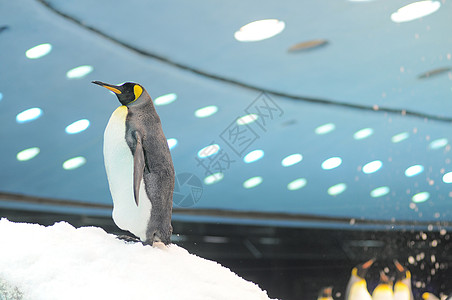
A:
361, 270
127, 92
325, 293
402, 272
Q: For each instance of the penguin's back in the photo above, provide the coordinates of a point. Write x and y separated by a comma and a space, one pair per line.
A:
118, 160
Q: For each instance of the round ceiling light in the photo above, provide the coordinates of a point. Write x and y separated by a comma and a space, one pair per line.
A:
324, 129
337, 189
372, 167
331, 163
363, 133
253, 156
296, 184
165, 99
27, 154
38, 51
291, 160
415, 11
379, 192
252, 182
74, 163
208, 151
77, 126
211, 179
29, 115
400, 137
172, 142
259, 30
79, 72
247, 119
206, 111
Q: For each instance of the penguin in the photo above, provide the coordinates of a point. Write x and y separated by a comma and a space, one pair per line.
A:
326, 293
357, 285
139, 166
402, 287
383, 291
429, 296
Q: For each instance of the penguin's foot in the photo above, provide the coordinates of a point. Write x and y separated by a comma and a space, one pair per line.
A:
156, 237
128, 238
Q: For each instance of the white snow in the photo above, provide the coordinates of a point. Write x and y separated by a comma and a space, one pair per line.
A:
63, 262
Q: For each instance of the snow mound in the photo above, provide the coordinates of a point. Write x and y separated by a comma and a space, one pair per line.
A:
62, 262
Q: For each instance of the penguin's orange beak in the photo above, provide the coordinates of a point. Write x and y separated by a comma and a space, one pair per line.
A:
368, 263
113, 88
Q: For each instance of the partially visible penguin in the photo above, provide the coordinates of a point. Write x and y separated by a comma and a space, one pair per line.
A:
326, 293
357, 285
402, 287
429, 296
383, 291
139, 166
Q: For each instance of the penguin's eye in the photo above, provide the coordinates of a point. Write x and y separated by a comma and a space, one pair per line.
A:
137, 90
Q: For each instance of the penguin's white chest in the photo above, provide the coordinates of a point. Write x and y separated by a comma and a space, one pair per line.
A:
384, 293
359, 292
119, 167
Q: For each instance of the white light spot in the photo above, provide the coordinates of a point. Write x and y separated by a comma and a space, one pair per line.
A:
165, 99
372, 167
77, 126
421, 197
29, 115
337, 189
414, 170
211, 179
296, 184
172, 142
437, 144
74, 163
247, 119
379, 192
27, 154
415, 11
324, 129
400, 137
252, 182
1, 96
38, 51
291, 160
363, 133
447, 178
206, 111
253, 156
331, 163
79, 72
208, 150
259, 30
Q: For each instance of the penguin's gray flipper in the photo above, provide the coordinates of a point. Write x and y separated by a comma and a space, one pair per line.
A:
138, 166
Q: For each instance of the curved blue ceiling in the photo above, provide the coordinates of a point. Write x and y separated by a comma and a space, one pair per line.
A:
366, 77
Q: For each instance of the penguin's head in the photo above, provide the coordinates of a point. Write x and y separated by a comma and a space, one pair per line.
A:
361, 270
127, 93
325, 293
402, 272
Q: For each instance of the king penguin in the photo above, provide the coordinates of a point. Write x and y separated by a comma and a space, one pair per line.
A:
139, 167
326, 293
357, 285
383, 291
402, 287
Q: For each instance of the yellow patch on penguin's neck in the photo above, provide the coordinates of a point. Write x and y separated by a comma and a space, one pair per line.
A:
137, 90
400, 286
